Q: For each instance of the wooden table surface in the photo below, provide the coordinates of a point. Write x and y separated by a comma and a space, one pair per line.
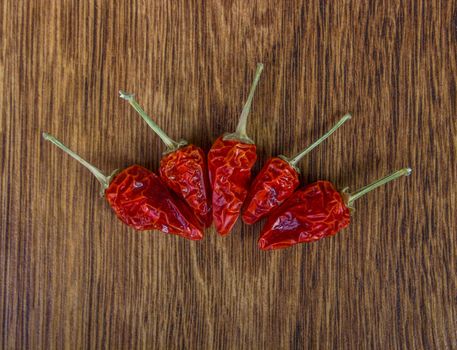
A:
72, 276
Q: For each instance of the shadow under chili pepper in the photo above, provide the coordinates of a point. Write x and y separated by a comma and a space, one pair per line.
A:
247, 232
201, 138
218, 126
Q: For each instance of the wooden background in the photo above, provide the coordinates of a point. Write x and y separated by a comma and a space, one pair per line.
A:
72, 276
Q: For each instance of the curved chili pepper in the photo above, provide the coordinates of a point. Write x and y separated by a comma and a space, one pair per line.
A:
182, 168
316, 211
277, 181
230, 161
141, 200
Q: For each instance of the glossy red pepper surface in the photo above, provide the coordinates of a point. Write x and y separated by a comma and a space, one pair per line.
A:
182, 168
230, 161
185, 172
312, 213
141, 200
276, 182
229, 164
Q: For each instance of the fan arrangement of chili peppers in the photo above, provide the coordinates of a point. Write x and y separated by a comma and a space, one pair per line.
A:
192, 192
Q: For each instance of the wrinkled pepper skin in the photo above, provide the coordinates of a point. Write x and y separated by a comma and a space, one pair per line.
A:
229, 164
312, 213
276, 182
185, 172
141, 200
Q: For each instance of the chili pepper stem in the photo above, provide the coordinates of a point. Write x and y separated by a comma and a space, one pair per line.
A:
103, 179
295, 159
240, 132
364, 190
171, 144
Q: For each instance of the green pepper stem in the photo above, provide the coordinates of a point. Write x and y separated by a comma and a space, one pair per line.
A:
240, 132
295, 159
171, 144
103, 179
364, 190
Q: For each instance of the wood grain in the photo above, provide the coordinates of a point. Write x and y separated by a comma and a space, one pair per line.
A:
73, 277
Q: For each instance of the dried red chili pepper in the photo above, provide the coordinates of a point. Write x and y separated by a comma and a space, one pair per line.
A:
230, 161
314, 212
182, 168
277, 181
141, 200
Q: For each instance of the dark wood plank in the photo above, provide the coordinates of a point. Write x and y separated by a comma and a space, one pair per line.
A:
72, 276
